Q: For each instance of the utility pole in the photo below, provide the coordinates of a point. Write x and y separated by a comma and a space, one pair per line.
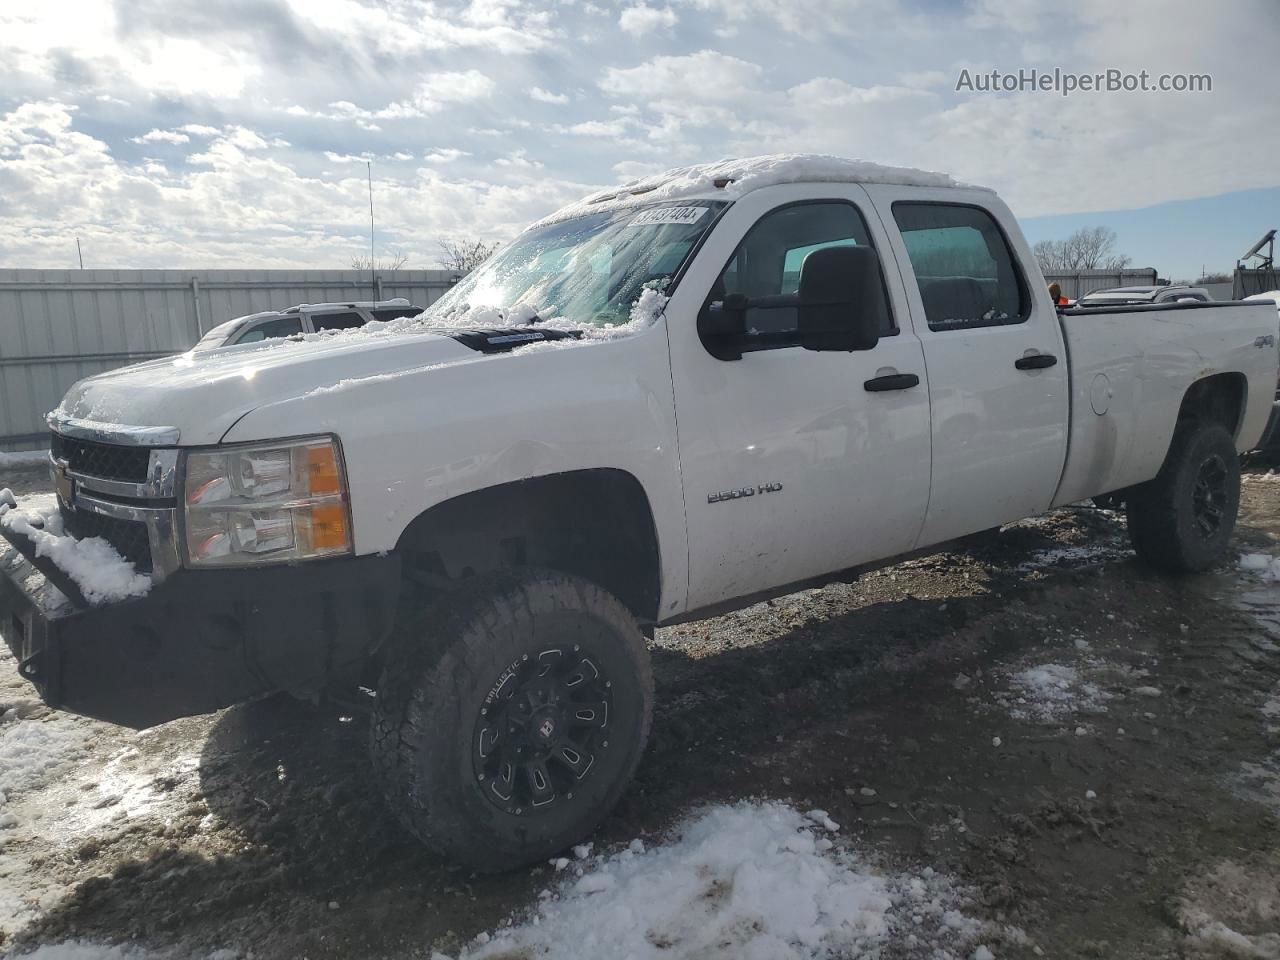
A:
79, 254
373, 281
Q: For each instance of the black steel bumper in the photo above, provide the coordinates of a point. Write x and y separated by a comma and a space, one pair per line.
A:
199, 641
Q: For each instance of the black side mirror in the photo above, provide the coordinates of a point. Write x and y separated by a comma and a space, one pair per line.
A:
722, 326
842, 301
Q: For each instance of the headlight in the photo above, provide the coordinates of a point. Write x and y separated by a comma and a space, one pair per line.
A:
266, 503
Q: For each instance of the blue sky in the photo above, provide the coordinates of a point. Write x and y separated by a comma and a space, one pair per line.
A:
184, 133
1180, 238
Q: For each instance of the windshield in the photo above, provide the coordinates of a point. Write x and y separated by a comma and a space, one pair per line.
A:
589, 270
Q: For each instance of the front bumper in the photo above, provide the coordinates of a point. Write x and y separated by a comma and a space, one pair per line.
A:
200, 640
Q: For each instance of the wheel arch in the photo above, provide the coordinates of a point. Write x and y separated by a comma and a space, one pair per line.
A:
1219, 398
596, 523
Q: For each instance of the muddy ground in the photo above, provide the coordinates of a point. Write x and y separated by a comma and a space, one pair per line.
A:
1136, 815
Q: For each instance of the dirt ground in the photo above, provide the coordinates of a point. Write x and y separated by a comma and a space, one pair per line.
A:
1090, 749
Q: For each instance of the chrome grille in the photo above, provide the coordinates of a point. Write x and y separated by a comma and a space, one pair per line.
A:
109, 461
129, 537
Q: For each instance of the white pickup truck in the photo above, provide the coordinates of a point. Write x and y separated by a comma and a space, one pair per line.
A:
671, 399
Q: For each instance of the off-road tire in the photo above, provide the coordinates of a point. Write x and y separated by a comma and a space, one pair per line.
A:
443, 661
1169, 525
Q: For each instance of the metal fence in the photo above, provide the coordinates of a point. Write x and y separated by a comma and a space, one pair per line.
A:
58, 326
1082, 282
1248, 281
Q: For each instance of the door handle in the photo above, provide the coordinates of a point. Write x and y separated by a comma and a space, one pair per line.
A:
894, 381
1037, 361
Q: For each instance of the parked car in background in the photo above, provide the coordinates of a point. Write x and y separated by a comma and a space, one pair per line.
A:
304, 318
1133, 296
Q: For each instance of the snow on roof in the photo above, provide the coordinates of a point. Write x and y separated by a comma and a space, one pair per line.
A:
730, 179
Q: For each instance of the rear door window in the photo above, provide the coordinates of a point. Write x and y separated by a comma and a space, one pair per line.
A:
964, 268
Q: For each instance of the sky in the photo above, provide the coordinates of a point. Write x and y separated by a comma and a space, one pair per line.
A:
234, 133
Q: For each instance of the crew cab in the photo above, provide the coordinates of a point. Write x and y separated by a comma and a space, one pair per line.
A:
304, 318
671, 399
1136, 296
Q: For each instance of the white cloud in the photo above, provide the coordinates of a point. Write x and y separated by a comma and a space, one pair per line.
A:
595, 128
924, 79
520, 159
546, 96
811, 19
230, 206
444, 155
161, 136
437, 88
635, 169
261, 91
693, 88
642, 19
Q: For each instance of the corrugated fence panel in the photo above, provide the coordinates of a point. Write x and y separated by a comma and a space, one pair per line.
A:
59, 326
1082, 282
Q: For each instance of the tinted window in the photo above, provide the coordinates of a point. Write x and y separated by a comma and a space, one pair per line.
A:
284, 327
392, 313
337, 321
963, 266
768, 263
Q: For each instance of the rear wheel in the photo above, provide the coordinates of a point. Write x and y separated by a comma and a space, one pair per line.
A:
511, 716
1182, 521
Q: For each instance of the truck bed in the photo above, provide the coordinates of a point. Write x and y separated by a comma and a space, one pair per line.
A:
1131, 367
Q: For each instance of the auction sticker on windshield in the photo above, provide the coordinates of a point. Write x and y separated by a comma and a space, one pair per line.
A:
668, 215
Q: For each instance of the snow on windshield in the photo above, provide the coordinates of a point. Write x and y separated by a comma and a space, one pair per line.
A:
591, 273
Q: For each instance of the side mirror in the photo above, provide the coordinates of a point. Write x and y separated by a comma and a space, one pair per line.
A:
842, 301
722, 326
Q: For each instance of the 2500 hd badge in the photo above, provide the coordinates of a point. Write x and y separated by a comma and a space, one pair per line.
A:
724, 495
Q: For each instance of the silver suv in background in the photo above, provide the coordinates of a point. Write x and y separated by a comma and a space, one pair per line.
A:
1133, 296
304, 318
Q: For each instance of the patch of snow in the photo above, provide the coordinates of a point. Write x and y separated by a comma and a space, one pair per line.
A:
1261, 565
1051, 693
1067, 556
33, 751
734, 178
102, 575
744, 881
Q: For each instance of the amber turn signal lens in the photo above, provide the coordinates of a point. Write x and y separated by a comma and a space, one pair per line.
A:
323, 476
329, 528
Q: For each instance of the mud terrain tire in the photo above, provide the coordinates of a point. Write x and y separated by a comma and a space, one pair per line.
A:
1182, 521
478, 734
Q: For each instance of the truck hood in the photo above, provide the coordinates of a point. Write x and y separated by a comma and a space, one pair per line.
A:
201, 395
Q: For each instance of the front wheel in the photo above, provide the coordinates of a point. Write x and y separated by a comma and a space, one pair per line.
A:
1182, 521
511, 716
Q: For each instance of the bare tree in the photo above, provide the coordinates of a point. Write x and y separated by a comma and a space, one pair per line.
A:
463, 256
394, 261
1089, 248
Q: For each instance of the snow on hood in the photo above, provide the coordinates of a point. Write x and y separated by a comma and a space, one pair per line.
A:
204, 394
730, 179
